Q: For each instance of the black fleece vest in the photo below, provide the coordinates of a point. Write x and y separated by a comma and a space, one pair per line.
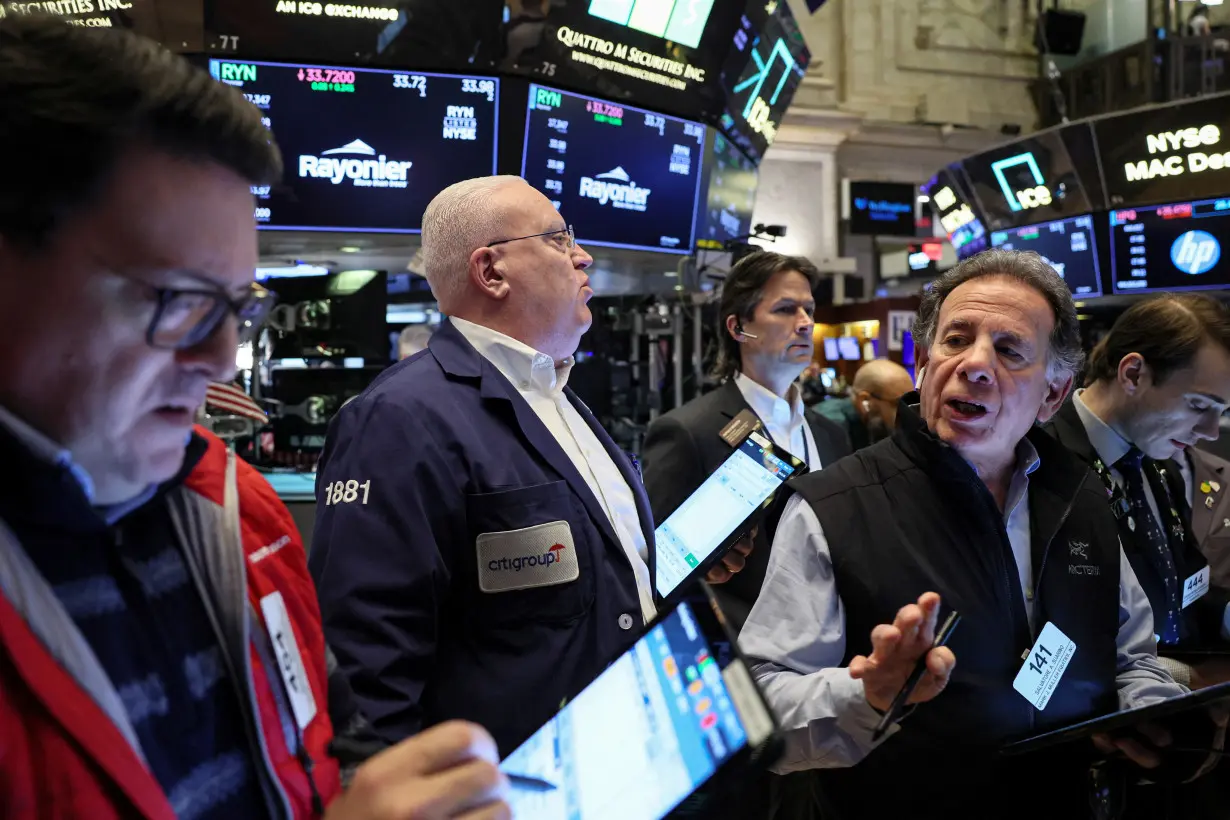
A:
908, 515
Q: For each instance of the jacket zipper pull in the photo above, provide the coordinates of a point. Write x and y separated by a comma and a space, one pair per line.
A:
318, 805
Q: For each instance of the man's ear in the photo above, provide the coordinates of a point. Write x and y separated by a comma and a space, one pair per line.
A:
1133, 371
922, 355
487, 274
732, 322
1057, 391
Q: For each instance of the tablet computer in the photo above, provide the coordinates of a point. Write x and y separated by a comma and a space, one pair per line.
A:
1124, 720
665, 730
696, 535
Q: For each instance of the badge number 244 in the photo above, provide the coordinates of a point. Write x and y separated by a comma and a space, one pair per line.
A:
346, 492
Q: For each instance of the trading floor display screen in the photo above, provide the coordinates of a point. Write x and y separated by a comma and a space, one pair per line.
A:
768, 60
365, 149
1171, 247
1067, 245
728, 194
622, 176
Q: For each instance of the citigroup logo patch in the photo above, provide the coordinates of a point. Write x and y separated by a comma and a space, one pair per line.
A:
1195, 252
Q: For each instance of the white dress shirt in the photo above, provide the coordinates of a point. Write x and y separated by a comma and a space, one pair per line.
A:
795, 638
782, 418
541, 383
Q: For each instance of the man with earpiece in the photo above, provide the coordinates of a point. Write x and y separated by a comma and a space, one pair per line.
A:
870, 413
765, 330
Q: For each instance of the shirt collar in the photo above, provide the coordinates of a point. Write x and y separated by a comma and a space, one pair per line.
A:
45, 449
525, 367
1108, 444
769, 406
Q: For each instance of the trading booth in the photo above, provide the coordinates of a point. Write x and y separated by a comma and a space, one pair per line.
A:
644, 122
1119, 205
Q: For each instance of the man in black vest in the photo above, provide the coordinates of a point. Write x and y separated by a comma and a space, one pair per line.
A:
765, 341
966, 505
1156, 385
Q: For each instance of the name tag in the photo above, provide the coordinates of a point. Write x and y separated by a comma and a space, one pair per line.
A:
539, 556
1195, 587
290, 662
1044, 666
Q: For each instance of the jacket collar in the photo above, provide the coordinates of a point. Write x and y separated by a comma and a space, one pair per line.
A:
1056, 470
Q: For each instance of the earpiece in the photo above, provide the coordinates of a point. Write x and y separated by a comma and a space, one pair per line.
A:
739, 329
866, 406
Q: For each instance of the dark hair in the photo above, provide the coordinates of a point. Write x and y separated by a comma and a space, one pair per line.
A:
741, 293
1066, 354
1166, 330
74, 99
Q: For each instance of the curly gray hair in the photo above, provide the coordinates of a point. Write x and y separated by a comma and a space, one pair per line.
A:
1065, 356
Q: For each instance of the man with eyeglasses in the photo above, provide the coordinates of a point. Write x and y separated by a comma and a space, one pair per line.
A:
161, 652
490, 549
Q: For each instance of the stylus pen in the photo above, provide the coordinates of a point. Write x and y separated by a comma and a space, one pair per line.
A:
898, 705
531, 784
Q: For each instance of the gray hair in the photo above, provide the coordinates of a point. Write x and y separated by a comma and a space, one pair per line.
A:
1065, 356
460, 219
413, 339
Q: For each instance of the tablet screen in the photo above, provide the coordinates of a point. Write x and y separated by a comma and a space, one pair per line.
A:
646, 734
711, 515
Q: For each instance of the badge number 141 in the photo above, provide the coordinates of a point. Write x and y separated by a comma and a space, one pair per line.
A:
1044, 666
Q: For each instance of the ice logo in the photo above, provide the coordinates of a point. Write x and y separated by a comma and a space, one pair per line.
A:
1195, 252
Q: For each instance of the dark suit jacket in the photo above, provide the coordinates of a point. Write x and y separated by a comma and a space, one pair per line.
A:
684, 447
453, 452
1202, 620
1211, 525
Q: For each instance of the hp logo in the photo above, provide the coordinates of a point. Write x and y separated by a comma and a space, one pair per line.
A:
1195, 252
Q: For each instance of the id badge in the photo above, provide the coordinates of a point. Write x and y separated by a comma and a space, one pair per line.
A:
290, 662
1195, 587
1044, 666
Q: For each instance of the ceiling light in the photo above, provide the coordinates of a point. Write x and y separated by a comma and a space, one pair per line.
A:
350, 249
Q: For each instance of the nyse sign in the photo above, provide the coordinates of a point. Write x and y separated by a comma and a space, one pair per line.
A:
1197, 139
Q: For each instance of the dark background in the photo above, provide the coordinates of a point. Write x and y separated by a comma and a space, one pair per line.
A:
895, 223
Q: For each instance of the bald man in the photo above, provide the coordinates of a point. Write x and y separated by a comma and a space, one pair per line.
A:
870, 414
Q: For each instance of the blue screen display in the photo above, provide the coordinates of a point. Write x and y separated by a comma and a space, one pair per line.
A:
1181, 246
622, 176
1067, 245
637, 741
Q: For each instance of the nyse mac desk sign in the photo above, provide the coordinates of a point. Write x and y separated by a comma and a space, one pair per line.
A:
623, 176
1167, 153
365, 149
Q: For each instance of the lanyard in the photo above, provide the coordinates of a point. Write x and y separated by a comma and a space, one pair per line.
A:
1120, 506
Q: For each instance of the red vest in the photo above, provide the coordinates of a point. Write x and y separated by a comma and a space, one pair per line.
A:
61, 756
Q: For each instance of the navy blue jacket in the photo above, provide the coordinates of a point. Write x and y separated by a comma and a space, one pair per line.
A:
452, 451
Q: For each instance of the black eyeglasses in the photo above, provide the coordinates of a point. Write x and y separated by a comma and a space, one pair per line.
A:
566, 239
185, 318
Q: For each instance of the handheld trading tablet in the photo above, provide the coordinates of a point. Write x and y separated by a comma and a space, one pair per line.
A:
667, 727
695, 536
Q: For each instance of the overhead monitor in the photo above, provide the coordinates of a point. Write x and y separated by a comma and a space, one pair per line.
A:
767, 62
665, 54
850, 348
832, 352
882, 208
174, 23
1166, 153
1181, 246
1068, 245
952, 207
426, 34
622, 176
1026, 182
728, 193
365, 149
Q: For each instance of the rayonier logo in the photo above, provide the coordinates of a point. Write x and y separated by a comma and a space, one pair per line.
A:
1195, 252
379, 172
617, 188
552, 556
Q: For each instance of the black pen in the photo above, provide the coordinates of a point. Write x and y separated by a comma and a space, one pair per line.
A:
894, 710
533, 784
